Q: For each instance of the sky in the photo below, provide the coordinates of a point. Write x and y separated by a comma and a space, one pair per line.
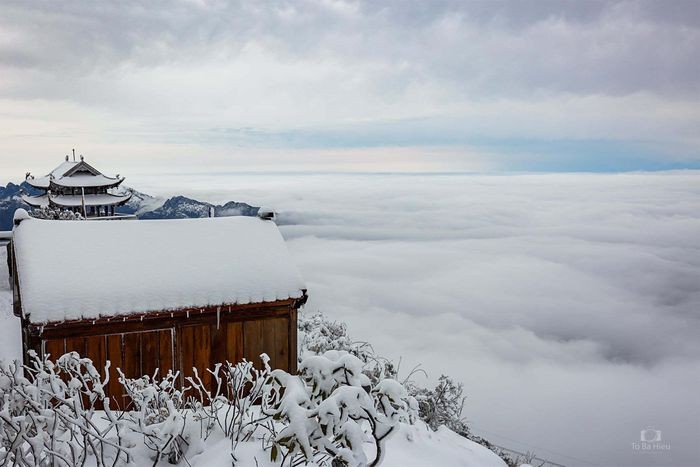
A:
567, 304
326, 85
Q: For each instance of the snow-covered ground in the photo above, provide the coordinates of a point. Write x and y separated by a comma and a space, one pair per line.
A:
412, 446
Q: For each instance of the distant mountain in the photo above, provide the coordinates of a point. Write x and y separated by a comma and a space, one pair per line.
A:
144, 206
10, 201
181, 207
139, 203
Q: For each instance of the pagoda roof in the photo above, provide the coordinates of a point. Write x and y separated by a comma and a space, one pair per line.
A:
74, 174
69, 201
36, 201
133, 267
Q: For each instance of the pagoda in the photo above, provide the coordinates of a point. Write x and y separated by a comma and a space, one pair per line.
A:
79, 187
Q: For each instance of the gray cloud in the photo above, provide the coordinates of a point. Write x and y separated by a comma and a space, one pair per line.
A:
501, 48
325, 74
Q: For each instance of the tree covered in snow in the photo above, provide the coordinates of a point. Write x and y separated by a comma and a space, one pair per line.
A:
332, 408
317, 335
441, 405
56, 214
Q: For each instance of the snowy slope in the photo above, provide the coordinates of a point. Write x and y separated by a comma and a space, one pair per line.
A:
412, 446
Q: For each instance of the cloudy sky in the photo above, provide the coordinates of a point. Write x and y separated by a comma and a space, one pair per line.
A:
362, 86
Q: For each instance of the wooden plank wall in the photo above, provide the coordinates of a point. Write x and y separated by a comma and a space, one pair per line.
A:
196, 345
135, 353
204, 345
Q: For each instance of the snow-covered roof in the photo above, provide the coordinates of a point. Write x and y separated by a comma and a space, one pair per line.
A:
102, 199
36, 201
70, 270
74, 174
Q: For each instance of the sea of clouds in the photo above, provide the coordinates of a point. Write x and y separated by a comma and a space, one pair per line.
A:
567, 304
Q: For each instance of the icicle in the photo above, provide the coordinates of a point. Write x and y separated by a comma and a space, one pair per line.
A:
188, 313
141, 317
218, 316
93, 322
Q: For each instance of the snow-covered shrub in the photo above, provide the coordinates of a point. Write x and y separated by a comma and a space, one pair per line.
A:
331, 409
157, 414
48, 414
317, 335
443, 405
56, 214
238, 389
328, 414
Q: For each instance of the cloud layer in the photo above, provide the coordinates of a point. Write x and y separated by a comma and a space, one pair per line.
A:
568, 304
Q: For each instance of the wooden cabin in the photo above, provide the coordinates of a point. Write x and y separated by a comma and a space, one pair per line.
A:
167, 294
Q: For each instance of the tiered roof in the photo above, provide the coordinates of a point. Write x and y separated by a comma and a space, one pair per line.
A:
69, 201
74, 174
61, 183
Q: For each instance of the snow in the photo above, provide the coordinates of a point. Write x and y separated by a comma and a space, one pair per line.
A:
412, 446
417, 445
90, 200
40, 200
77, 180
10, 336
105, 199
87, 180
84, 270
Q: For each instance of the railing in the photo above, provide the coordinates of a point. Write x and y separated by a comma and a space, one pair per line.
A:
5, 237
116, 217
527, 457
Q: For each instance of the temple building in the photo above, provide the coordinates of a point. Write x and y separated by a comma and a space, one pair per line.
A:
79, 187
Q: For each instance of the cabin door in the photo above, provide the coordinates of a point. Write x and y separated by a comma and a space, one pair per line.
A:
135, 353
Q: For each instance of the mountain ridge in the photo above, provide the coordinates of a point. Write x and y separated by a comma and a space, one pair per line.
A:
142, 205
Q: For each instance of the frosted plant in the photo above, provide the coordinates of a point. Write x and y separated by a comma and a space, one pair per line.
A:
443, 405
56, 214
331, 409
158, 414
317, 335
49, 414
58, 413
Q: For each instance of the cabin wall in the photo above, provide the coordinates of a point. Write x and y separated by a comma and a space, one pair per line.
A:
178, 343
